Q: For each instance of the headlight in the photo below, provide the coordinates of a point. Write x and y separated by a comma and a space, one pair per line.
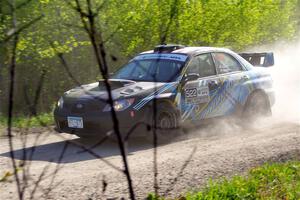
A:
60, 102
119, 105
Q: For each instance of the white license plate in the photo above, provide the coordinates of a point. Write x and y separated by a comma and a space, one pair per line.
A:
75, 122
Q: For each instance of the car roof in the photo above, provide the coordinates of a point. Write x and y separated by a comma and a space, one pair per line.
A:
191, 50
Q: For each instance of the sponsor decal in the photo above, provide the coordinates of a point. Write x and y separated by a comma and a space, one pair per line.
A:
167, 86
166, 56
197, 95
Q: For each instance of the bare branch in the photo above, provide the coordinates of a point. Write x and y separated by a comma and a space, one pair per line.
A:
16, 31
11, 101
23, 4
98, 46
115, 31
173, 14
96, 145
83, 16
83, 147
100, 7
53, 176
134, 127
174, 181
74, 26
39, 180
65, 65
33, 105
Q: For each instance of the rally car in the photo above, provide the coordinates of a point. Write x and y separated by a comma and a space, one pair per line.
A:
186, 84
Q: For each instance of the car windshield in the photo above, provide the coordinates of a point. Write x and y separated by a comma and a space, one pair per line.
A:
150, 70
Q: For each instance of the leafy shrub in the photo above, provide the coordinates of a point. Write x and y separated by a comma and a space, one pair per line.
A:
43, 119
271, 181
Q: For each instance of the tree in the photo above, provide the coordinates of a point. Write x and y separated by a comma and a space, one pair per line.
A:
135, 26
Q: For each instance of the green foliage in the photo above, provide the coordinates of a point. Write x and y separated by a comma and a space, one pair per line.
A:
271, 181
43, 119
128, 27
152, 196
235, 24
6, 176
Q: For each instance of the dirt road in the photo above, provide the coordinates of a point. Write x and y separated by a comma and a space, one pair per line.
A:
212, 152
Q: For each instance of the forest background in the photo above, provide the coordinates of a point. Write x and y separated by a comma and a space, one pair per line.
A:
128, 27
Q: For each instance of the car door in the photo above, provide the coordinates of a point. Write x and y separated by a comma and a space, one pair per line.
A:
231, 76
200, 81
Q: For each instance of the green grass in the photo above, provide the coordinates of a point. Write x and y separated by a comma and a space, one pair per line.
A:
270, 181
29, 122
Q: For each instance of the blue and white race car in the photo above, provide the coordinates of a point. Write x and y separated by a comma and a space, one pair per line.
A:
187, 84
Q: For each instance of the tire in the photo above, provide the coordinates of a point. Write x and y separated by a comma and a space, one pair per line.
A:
257, 105
166, 123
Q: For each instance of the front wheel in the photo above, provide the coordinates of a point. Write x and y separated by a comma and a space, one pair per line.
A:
165, 123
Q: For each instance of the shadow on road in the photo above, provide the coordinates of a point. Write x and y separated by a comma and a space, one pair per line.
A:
51, 152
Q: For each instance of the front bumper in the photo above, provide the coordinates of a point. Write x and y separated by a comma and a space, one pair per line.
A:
98, 123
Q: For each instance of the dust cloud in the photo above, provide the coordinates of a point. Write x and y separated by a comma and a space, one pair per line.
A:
286, 76
286, 83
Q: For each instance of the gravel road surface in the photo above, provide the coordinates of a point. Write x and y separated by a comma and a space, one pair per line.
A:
183, 164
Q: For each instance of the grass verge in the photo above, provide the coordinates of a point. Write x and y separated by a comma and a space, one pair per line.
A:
270, 181
43, 119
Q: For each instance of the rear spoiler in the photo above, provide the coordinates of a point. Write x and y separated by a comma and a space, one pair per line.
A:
259, 59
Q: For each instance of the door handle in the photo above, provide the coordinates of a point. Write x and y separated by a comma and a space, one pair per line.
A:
213, 84
245, 77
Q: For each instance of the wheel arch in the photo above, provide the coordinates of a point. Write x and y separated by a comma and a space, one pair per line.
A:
258, 90
159, 103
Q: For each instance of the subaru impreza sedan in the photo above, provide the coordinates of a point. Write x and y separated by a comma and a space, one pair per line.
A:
185, 84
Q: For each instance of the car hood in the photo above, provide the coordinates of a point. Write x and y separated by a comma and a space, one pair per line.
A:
120, 88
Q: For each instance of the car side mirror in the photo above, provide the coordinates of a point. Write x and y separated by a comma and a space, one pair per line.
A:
190, 77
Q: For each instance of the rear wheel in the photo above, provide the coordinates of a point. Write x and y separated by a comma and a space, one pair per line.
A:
257, 106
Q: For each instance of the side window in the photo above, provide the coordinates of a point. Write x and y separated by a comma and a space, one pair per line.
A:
193, 67
226, 63
202, 65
